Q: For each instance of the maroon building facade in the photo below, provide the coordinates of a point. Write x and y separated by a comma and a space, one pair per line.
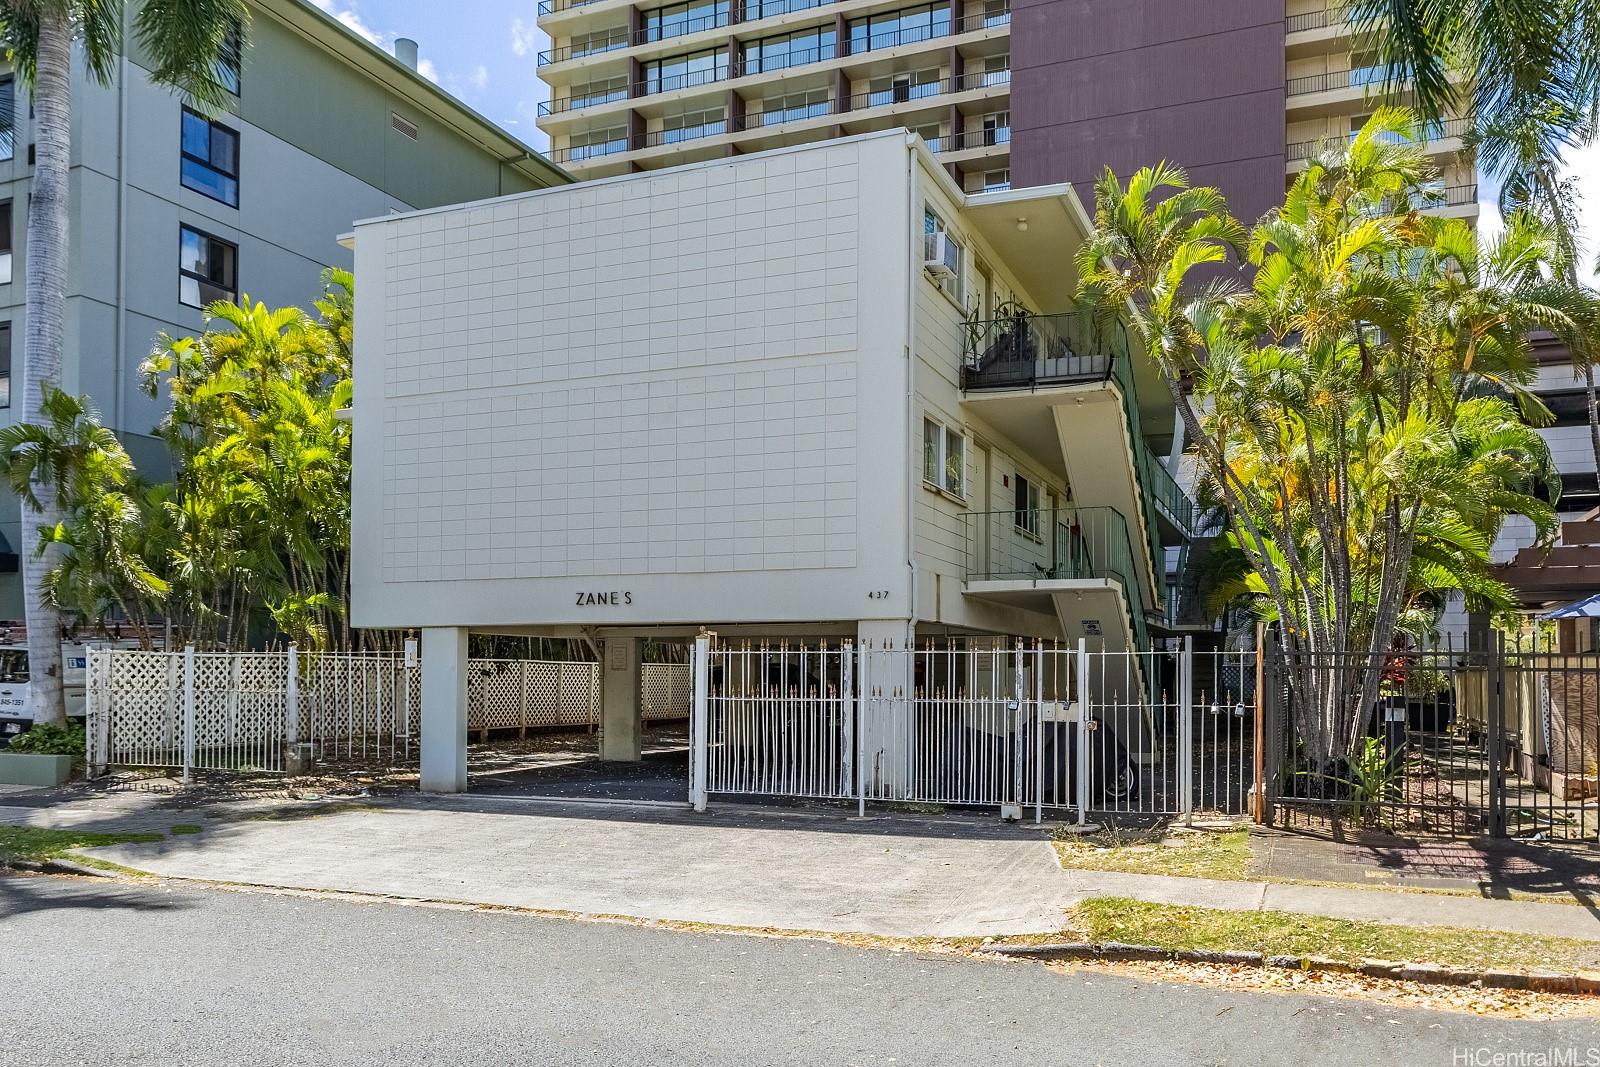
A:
1128, 83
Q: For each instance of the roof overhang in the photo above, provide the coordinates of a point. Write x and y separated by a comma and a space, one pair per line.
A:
328, 33
1036, 232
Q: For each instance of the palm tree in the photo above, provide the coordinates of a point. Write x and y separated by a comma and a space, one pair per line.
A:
1331, 397
186, 40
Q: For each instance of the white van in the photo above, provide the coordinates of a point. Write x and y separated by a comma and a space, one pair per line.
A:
16, 697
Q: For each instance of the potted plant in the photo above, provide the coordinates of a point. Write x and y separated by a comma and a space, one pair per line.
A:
42, 756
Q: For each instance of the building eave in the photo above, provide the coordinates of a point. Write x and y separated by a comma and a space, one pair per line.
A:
323, 30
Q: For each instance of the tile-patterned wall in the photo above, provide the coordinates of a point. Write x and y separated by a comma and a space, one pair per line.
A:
648, 376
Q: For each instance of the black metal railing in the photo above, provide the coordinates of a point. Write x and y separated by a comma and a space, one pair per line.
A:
579, 153
1320, 19
1430, 132
1022, 350
991, 137
594, 46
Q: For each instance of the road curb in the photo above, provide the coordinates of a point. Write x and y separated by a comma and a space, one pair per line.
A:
1426, 973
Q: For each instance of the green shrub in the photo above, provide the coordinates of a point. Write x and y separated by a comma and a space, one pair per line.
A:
46, 740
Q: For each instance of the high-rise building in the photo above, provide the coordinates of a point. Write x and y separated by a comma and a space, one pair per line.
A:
172, 209
1241, 92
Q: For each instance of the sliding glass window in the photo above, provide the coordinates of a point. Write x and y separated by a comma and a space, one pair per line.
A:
682, 72
789, 50
679, 19
906, 26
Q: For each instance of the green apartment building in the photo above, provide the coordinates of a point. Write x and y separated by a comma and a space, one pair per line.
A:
172, 209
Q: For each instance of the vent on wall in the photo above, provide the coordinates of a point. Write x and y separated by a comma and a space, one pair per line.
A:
403, 125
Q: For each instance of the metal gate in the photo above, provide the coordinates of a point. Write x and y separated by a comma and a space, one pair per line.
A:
973, 721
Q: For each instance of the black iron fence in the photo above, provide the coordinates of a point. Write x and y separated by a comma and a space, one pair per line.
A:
1500, 741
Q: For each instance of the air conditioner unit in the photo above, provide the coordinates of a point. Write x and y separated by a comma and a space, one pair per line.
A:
941, 256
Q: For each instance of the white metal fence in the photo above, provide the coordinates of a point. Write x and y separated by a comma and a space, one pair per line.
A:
975, 723
250, 710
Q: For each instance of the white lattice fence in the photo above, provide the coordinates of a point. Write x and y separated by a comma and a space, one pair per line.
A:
238, 710
666, 691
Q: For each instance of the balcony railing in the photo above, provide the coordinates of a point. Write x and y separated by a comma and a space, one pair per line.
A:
982, 20
1356, 78
1023, 350
1054, 544
1433, 131
906, 92
550, 7
686, 133
757, 9
755, 120
593, 47
992, 137
579, 153
1461, 195
589, 98
1320, 19
795, 57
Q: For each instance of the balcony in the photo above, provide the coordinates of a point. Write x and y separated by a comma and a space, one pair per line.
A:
580, 153
1076, 563
551, 7
593, 47
1431, 132
696, 132
1023, 351
990, 137
756, 10
906, 92
755, 120
869, 40
795, 57
650, 87
1330, 81
1333, 15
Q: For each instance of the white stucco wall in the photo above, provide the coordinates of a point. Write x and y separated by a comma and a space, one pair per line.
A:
684, 392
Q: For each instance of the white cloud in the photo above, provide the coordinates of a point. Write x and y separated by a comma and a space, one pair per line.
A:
524, 37
1580, 163
353, 22
479, 78
426, 68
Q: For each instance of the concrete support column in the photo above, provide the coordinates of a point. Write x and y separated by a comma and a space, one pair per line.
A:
444, 710
621, 724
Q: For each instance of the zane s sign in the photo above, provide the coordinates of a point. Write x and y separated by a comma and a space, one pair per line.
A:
607, 598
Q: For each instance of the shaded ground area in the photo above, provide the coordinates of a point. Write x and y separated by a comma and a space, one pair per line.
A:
1366, 857
564, 764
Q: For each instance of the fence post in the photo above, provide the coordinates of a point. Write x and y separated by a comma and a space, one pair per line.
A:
847, 705
864, 663
1497, 733
1038, 732
1080, 772
699, 720
1259, 805
1186, 731
292, 763
98, 695
1018, 696
188, 710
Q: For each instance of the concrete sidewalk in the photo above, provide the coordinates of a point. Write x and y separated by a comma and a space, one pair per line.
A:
890, 875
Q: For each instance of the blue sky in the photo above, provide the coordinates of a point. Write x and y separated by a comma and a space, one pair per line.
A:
483, 51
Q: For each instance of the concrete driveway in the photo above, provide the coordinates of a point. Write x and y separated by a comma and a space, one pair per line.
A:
800, 872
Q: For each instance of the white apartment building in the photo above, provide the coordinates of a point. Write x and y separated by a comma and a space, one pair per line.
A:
815, 392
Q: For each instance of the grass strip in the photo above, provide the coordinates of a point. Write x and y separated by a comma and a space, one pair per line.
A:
38, 845
1173, 926
1195, 855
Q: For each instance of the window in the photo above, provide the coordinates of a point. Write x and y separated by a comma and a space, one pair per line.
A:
789, 50
997, 70
5, 364
931, 132
599, 92
692, 125
997, 128
207, 268
588, 144
230, 58
210, 162
679, 19
808, 103
8, 102
5, 243
679, 72
1026, 516
954, 286
944, 458
995, 181
898, 88
893, 28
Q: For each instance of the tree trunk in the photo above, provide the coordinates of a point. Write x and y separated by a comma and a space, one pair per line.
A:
1594, 411
46, 314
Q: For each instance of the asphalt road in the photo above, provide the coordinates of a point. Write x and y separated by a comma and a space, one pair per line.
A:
103, 973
